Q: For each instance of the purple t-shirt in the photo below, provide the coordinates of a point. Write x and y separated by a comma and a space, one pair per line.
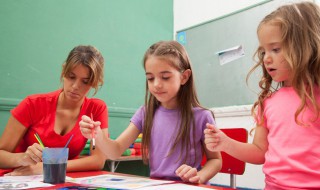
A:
165, 127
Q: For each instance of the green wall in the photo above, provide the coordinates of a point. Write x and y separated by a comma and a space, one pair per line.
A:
37, 35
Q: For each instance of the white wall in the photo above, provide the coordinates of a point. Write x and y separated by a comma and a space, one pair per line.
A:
192, 12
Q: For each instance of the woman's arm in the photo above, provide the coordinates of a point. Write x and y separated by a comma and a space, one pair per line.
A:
95, 161
13, 133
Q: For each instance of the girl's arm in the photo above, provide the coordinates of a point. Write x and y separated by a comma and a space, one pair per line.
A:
211, 167
111, 148
114, 148
216, 140
95, 161
13, 133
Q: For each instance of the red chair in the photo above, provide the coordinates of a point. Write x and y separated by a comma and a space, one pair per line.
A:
231, 165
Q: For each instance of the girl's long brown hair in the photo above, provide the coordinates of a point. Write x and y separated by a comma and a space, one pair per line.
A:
300, 26
175, 53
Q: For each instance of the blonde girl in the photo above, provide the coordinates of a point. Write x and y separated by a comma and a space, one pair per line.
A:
287, 135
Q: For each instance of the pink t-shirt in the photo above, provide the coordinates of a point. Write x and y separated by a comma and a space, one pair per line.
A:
293, 156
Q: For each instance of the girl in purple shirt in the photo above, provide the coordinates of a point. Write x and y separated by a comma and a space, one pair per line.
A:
171, 121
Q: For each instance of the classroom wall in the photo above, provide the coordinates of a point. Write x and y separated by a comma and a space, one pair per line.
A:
37, 35
189, 13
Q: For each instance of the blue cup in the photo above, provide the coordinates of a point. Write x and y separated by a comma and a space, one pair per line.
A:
54, 165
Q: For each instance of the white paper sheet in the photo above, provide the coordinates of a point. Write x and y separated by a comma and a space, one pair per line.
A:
231, 54
23, 185
4, 179
118, 181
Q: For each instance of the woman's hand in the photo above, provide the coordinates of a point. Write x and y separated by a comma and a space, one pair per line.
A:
30, 162
27, 170
31, 156
215, 139
188, 174
87, 125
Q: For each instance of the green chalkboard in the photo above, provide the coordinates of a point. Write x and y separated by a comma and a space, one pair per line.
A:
37, 35
225, 85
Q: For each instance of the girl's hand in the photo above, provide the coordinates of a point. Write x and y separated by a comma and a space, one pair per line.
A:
32, 156
87, 125
27, 170
215, 139
188, 174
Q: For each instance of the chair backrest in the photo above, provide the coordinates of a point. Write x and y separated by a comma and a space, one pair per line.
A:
231, 165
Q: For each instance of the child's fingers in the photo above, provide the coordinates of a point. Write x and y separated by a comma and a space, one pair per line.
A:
96, 123
190, 172
86, 119
207, 132
185, 172
180, 169
83, 124
85, 130
212, 128
211, 140
195, 179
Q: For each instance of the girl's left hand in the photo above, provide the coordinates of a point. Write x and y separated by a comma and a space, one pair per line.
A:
27, 170
188, 174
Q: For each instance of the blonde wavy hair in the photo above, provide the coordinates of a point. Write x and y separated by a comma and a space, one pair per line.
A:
300, 26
